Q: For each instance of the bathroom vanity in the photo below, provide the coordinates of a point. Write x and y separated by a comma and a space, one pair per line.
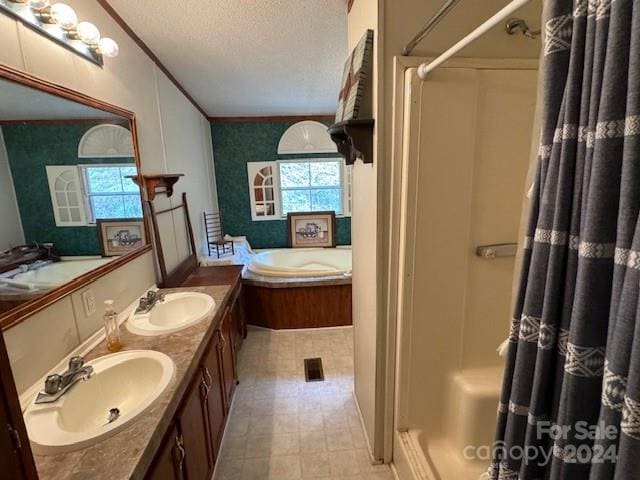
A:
179, 436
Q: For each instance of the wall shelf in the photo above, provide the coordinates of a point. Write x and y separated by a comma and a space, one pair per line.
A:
354, 139
164, 182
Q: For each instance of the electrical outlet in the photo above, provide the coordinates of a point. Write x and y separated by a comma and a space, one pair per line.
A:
89, 302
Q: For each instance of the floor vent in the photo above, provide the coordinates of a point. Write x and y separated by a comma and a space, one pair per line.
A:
313, 370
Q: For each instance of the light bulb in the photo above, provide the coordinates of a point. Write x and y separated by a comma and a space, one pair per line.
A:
108, 47
39, 4
88, 33
64, 16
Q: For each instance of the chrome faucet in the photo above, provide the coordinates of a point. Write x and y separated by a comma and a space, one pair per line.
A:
149, 301
56, 385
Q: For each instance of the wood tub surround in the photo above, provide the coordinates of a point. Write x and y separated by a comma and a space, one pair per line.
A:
287, 303
179, 436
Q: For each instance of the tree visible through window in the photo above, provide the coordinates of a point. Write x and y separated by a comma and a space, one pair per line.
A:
110, 193
311, 186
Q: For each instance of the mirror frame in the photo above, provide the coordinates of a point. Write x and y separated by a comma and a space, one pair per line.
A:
25, 310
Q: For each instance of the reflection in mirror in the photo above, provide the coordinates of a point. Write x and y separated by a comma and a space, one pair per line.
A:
64, 168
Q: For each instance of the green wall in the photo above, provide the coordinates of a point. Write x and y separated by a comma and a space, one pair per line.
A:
236, 144
30, 149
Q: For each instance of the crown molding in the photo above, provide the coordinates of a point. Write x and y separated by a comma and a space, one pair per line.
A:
272, 118
143, 46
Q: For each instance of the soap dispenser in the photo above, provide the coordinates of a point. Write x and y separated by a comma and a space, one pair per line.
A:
111, 327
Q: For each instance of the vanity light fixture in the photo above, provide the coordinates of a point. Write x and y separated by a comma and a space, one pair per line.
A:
63, 15
60, 23
88, 33
108, 47
38, 5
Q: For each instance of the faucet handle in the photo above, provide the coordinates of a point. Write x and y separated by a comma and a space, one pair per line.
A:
76, 363
52, 384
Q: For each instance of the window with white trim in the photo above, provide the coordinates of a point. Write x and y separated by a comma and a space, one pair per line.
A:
300, 185
110, 192
82, 194
66, 195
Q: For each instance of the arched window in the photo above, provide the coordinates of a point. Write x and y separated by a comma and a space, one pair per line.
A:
66, 195
262, 189
106, 141
307, 136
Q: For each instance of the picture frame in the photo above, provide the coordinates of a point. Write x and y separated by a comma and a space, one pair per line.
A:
311, 229
119, 236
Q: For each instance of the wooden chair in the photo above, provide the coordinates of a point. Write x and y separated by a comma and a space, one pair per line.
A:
215, 234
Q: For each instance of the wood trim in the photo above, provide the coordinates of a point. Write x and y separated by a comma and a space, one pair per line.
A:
32, 81
18, 314
273, 118
350, 5
188, 265
157, 240
178, 276
9, 395
298, 307
143, 46
66, 121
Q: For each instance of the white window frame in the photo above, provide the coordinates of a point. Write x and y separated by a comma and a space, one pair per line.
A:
54, 173
83, 198
82, 169
253, 168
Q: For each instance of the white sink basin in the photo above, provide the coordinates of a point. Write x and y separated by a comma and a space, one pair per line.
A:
129, 381
177, 311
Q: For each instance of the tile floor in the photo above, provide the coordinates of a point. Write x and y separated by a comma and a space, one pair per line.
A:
282, 427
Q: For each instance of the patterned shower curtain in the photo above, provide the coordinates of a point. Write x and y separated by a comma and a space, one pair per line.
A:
570, 404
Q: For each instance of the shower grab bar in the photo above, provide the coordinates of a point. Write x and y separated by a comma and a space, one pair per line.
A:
496, 250
430, 25
502, 15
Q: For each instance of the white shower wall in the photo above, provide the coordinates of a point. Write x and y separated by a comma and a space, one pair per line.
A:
467, 136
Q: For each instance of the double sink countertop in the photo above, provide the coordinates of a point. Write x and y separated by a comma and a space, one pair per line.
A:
129, 453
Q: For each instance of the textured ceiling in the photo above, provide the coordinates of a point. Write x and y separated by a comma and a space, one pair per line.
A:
18, 102
248, 57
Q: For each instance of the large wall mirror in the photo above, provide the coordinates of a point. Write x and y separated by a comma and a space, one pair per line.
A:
70, 205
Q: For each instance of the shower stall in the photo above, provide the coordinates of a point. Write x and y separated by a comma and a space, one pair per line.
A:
465, 136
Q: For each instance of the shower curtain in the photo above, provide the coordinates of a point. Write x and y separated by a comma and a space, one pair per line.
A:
570, 403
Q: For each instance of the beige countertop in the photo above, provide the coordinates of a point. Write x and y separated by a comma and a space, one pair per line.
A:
129, 453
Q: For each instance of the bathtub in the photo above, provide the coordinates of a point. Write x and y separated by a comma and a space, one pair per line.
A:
54, 274
312, 262
462, 449
299, 288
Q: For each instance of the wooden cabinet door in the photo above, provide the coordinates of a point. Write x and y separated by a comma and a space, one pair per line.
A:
16, 460
227, 359
168, 461
193, 432
238, 323
215, 398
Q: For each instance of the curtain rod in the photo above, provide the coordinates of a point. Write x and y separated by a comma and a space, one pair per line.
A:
430, 25
425, 68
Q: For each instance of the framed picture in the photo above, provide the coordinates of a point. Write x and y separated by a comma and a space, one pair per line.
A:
120, 235
312, 229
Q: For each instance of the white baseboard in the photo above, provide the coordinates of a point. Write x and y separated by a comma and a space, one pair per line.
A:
374, 460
